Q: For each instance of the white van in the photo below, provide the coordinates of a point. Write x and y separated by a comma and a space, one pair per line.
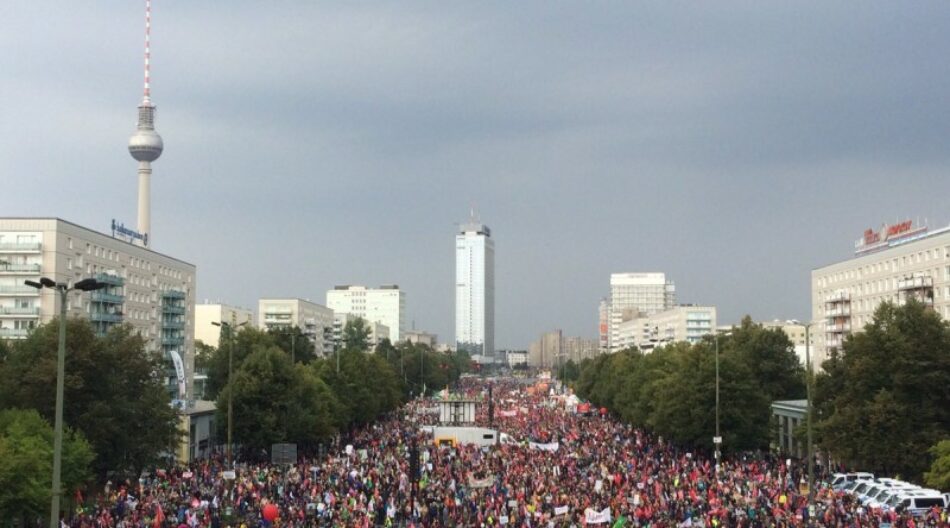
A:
919, 502
838, 480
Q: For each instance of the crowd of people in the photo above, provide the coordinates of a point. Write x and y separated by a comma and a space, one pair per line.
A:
557, 468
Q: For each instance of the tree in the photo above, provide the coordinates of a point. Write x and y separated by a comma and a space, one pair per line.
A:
295, 343
115, 392
275, 401
366, 385
939, 475
884, 398
356, 335
245, 340
770, 356
26, 462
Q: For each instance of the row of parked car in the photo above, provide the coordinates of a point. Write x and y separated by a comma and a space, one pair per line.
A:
889, 494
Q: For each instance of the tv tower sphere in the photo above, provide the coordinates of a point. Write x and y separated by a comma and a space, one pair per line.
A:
145, 144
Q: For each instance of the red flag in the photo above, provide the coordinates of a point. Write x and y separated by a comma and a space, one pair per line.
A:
159, 516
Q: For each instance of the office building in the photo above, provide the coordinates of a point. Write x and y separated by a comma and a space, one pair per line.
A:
385, 305
681, 323
516, 358
554, 349
603, 326
899, 262
377, 331
475, 289
313, 320
418, 337
206, 314
634, 295
148, 290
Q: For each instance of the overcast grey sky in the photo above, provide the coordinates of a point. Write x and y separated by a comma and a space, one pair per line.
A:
733, 145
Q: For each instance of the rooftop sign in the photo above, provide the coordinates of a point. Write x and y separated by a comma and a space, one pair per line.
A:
885, 237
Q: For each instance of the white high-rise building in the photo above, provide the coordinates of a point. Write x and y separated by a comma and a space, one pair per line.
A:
634, 295
385, 305
314, 321
205, 314
475, 289
687, 323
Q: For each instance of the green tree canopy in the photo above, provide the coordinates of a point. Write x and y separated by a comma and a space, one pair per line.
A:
295, 343
885, 398
356, 334
114, 392
277, 401
939, 475
241, 343
26, 464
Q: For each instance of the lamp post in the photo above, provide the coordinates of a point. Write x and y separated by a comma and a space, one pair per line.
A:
717, 440
230, 389
809, 416
63, 289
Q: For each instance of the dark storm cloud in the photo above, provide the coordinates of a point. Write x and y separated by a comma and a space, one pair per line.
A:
734, 145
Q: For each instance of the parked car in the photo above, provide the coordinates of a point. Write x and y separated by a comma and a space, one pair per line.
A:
879, 500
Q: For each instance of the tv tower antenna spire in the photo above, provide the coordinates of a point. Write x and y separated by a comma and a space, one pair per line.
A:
146, 145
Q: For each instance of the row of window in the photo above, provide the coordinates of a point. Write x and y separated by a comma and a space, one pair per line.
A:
889, 265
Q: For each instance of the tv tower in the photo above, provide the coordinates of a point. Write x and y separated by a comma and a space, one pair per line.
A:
146, 145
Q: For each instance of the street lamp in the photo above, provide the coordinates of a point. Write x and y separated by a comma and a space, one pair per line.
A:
717, 440
809, 419
230, 379
63, 289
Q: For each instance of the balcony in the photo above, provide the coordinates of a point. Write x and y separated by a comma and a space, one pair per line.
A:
21, 247
14, 333
915, 283
840, 296
18, 290
113, 280
172, 341
840, 311
28, 269
173, 325
21, 312
111, 298
106, 317
172, 309
173, 294
838, 328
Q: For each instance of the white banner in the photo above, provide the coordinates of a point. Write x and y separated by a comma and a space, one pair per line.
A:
553, 446
508, 414
179, 373
561, 510
486, 482
592, 516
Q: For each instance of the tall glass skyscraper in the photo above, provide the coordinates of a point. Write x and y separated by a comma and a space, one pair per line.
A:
475, 289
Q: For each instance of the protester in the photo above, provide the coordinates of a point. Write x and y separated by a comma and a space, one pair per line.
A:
564, 470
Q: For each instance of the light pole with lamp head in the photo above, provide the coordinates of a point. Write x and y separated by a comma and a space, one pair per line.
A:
717, 440
63, 289
809, 416
231, 388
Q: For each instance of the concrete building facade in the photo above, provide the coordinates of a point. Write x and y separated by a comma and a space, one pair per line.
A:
682, 323
315, 321
418, 337
896, 263
385, 305
148, 290
635, 295
475, 289
205, 314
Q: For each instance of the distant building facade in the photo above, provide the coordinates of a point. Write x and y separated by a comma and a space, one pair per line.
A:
385, 305
554, 349
899, 262
418, 337
634, 295
206, 314
314, 321
681, 323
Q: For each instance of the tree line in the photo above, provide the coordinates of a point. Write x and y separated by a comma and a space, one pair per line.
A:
118, 414
882, 402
